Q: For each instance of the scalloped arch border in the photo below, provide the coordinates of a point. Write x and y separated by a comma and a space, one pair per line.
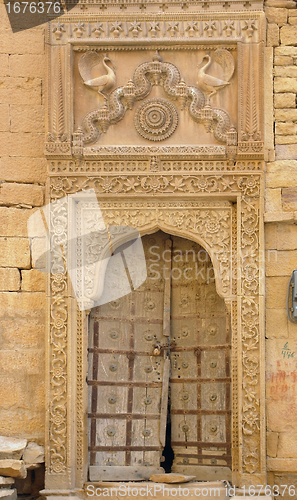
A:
68, 328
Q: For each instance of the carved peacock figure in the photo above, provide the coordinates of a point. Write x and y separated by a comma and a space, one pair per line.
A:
102, 83
209, 84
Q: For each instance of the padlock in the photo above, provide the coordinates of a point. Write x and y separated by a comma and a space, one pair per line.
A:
157, 350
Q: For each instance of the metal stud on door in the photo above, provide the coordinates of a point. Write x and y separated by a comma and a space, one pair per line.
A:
200, 376
172, 331
128, 378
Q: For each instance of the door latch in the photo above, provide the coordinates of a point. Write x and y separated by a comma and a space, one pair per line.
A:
158, 347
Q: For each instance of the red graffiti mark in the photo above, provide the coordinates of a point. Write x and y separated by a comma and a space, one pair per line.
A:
284, 388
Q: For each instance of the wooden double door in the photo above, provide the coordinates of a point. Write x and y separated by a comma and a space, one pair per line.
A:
159, 359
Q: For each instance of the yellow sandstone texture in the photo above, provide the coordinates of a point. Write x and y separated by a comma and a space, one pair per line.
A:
281, 255
22, 177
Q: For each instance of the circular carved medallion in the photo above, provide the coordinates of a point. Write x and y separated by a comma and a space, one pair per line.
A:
156, 119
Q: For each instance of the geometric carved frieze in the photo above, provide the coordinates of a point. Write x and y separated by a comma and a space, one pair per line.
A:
155, 162
204, 27
168, 5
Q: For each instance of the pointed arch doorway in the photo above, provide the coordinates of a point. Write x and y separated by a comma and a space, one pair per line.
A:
159, 371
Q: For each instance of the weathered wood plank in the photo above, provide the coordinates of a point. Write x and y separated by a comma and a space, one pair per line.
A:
125, 473
171, 478
164, 401
167, 289
205, 472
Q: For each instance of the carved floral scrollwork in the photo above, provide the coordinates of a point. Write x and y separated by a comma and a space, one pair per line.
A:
58, 327
96, 243
165, 184
250, 324
211, 225
251, 462
214, 226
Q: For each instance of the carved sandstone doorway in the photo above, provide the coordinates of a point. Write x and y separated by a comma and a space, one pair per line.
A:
162, 355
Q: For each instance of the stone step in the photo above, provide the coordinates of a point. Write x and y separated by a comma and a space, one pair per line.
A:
6, 482
13, 468
12, 448
33, 455
6, 494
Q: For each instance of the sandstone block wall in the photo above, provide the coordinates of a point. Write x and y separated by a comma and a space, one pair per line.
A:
281, 248
22, 180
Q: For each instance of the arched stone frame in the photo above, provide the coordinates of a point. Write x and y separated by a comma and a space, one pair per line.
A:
202, 173
67, 446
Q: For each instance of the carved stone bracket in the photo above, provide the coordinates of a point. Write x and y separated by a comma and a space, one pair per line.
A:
251, 85
58, 138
